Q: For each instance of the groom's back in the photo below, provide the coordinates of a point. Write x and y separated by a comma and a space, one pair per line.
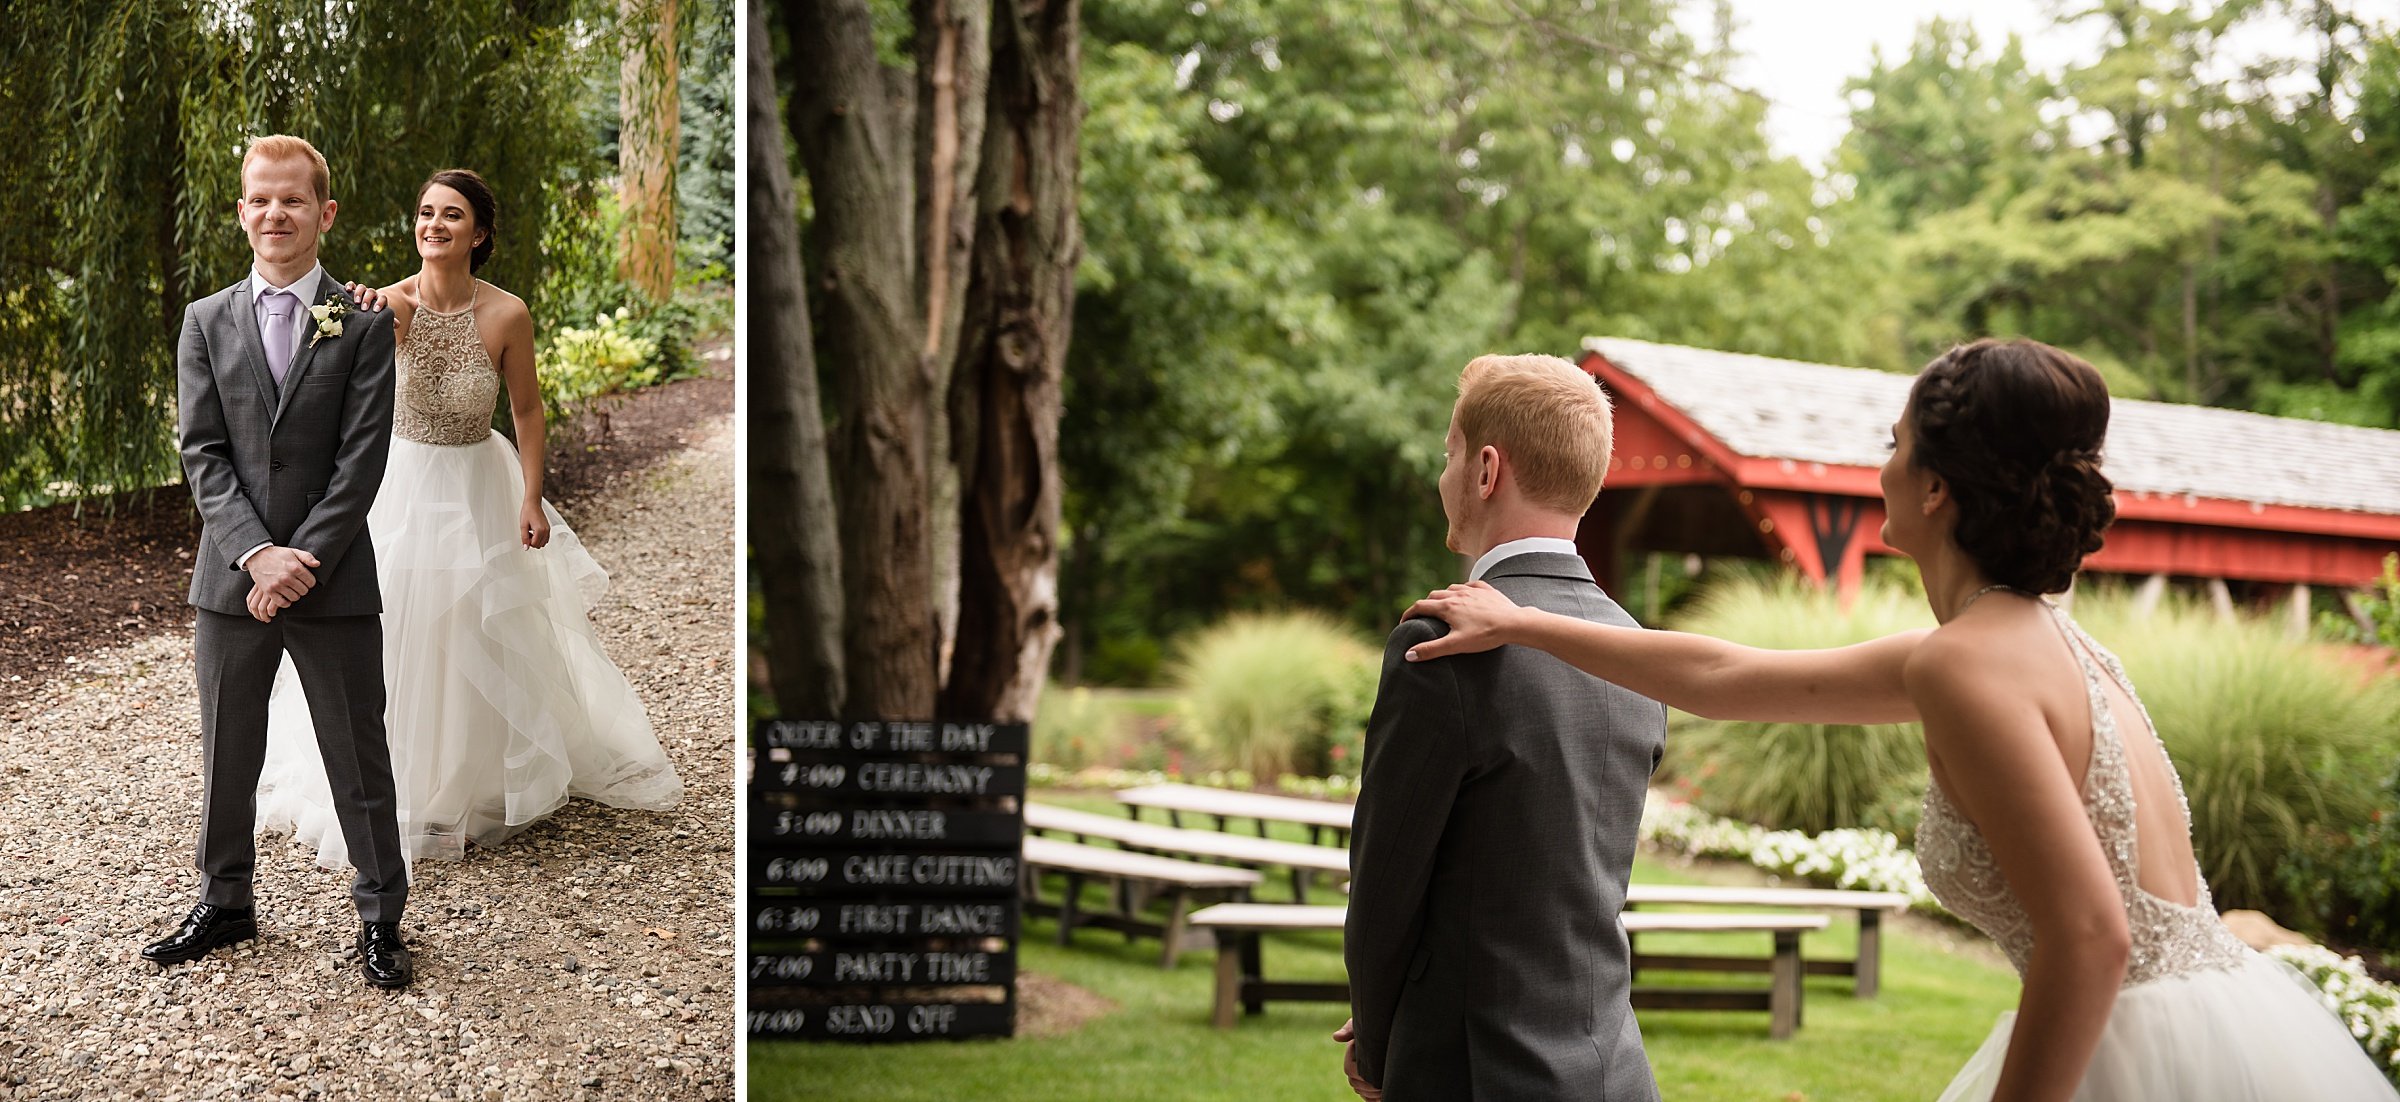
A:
1520, 981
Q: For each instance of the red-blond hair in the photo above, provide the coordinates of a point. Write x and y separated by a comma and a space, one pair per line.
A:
1549, 418
278, 147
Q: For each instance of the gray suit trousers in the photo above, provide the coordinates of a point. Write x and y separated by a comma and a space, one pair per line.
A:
340, 663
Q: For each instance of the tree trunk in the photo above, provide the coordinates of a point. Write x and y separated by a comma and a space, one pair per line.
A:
1012, 359
848, 118
649, 108
792, 521
953, 56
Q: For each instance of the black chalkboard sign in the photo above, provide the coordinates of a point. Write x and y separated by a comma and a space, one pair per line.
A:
845, 773
885, 858
879, 871
845, 827
793, 917
886, 1020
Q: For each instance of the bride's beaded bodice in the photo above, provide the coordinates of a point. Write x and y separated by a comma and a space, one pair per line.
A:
447, 385
2169, 938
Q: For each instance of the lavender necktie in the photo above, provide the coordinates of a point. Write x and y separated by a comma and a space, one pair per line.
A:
278, 333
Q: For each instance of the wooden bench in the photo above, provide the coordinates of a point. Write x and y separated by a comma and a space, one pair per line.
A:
1300, 857
1222, 804
1865, 969
1241, 981
1180, 881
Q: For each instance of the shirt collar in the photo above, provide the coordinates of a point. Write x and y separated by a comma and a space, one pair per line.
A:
259, 285
1514, 548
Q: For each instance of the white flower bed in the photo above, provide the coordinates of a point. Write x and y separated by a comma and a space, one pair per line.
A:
2368, 1006
1866, 860
1872, 860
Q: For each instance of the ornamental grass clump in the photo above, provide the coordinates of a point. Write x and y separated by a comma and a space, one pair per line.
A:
1073, 729
2277, 742
1799, 776
1275, 693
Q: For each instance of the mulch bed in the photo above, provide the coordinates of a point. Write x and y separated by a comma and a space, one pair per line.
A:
71, 584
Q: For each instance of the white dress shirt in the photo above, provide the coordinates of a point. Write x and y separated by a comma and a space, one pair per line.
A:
1514, 548
299, 289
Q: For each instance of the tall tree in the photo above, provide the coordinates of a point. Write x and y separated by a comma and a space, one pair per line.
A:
798, 567
892, 157
1007, 394
649, 100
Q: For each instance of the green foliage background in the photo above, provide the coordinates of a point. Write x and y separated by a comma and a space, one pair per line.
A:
128, 121
1302, 220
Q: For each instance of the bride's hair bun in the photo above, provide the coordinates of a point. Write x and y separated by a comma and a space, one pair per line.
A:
2015, 429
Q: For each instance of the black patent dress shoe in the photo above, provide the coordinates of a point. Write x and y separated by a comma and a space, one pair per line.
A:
207, 927
385, 961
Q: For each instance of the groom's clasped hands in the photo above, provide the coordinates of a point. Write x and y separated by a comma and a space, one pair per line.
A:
279, 576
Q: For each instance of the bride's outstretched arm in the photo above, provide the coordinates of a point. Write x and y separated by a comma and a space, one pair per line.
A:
1695, 673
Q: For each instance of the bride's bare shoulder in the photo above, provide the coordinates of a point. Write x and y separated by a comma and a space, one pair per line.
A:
1970, 657
504, 303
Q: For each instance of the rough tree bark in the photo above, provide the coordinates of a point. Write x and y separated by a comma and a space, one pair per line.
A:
892, 160
1006, 397
953, 56
649, 106
792, 521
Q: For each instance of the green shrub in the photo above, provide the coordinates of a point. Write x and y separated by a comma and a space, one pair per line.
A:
1801, 776
2276, 742
2381, 606
1073, 729
1346, 720
585, 365
2346, 884
1272, 694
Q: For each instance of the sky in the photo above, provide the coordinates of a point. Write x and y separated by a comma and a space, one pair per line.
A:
1798, 54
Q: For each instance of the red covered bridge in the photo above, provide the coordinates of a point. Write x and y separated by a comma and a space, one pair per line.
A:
1719, 453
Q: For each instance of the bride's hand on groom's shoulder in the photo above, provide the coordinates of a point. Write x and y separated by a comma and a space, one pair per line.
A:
1479, 617
368, 298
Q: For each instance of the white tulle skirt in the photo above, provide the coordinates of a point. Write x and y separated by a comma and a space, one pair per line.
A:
501, 703
2259, 1032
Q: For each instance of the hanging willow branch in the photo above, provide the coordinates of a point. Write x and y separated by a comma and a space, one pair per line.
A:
122, 127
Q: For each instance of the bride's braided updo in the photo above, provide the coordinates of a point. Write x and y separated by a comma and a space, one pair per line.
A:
2015, 428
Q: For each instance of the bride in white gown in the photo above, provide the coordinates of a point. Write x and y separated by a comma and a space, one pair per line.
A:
2055, 821
500, 701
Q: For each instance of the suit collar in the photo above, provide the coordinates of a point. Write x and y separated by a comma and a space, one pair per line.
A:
1510, 549
1541, 564
242, 304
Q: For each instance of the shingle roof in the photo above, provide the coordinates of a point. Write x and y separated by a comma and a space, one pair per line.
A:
1785, 409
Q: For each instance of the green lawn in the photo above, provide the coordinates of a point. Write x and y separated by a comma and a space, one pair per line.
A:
1935, 1008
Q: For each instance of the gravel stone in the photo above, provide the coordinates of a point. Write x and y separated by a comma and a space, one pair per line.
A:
100, 804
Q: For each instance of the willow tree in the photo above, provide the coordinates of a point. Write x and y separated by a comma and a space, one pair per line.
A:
130, 120
651, 117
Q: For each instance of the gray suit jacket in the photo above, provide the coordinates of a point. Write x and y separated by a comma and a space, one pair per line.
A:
1494, 838
296, 466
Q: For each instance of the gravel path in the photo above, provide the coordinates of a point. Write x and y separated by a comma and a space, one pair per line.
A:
589, 958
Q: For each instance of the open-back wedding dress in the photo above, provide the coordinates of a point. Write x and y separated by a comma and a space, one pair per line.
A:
2200, 1016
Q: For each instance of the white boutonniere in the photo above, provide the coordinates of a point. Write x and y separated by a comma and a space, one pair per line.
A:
328, 315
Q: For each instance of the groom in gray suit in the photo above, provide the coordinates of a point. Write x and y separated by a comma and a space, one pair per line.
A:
284, 417
1502, 792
